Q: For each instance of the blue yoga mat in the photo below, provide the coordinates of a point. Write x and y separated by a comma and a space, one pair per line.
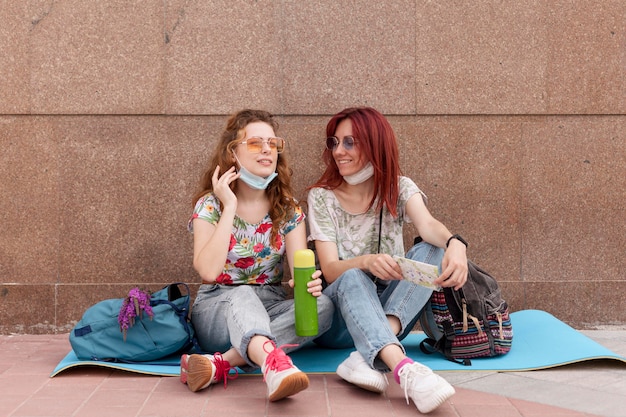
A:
540, 341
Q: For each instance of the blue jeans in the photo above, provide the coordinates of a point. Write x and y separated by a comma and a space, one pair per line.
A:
229, 316
362, 307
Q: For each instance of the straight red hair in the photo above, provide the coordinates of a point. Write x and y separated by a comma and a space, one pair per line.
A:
378, 144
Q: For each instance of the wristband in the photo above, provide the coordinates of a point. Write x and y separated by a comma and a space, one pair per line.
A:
457, 237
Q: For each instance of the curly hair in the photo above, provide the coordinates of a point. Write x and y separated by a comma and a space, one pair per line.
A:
280, 192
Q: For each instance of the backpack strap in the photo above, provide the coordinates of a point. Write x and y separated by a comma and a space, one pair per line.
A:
429, 346
180, 312
174, 293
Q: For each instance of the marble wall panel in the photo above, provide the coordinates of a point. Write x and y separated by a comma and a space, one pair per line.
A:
27, 308
480, 58
97, 57
582, 304
222, 56
573, 199
125, 191
404, 57
29, 200
15, 88
340, 54
585, 70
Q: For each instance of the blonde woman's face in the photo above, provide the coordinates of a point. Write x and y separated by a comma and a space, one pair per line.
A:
261, 163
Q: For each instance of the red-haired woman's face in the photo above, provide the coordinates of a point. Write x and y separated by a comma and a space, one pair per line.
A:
349, 161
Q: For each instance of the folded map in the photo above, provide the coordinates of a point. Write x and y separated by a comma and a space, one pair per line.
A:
419, 272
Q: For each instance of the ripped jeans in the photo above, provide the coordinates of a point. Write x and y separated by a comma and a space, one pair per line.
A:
362, 306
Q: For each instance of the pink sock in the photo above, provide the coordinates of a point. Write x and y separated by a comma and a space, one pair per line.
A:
399, 366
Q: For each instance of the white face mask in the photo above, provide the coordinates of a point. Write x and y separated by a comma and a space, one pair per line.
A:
363, 175
254, 180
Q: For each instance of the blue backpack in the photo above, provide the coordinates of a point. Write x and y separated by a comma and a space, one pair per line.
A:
97, 336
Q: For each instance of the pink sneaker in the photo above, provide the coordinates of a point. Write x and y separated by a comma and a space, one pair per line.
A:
282, 377
184, 366
200, 371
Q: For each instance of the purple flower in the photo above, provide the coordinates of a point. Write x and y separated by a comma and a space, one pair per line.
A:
134, 305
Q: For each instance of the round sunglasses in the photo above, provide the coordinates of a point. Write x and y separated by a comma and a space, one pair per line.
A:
333, 142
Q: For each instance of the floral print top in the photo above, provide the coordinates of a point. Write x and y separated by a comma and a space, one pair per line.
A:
356, 234
251, 259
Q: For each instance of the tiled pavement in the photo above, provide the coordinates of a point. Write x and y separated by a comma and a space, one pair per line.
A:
26, 389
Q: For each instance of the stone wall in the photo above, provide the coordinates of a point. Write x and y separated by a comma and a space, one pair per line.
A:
511, 116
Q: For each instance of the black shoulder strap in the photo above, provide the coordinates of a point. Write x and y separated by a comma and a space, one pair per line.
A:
380, 228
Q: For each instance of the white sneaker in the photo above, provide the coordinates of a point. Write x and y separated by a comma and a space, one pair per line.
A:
282, 377
427, 389
356, 371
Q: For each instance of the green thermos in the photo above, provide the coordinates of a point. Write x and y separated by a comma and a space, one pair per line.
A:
305, 302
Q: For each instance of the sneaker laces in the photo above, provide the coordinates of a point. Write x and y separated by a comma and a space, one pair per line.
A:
277, 360
222, 369
409, 372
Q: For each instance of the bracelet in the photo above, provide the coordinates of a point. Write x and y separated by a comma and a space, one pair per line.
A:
457, 237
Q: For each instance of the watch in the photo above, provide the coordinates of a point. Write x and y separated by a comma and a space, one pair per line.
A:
457, 237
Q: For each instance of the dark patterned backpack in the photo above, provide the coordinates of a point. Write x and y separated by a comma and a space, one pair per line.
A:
469, 323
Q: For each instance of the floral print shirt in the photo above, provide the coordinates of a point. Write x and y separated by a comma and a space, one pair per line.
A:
356, 234
251, 259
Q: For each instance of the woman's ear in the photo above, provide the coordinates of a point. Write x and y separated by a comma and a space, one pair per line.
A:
233, 159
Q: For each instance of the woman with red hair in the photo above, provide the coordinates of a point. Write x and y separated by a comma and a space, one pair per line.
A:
356, 213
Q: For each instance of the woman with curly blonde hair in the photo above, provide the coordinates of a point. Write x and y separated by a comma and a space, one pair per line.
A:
245, 222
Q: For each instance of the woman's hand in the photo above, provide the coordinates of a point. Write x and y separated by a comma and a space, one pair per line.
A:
384, 267
314, 287
454, 265
221, 186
